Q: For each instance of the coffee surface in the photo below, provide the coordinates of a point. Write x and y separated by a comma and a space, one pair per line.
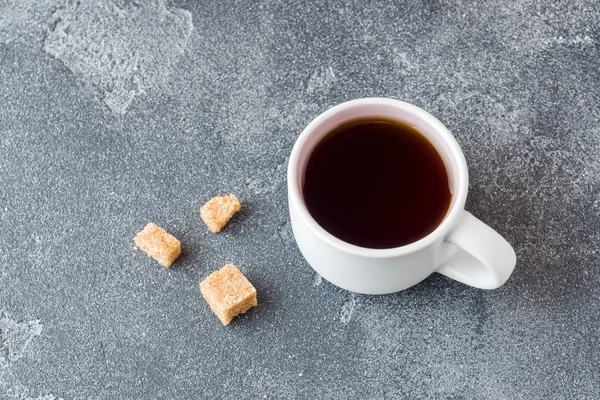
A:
376, 183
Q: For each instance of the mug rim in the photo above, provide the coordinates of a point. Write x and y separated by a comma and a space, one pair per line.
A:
452, 216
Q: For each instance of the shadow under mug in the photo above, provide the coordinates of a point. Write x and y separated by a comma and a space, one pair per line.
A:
461, 247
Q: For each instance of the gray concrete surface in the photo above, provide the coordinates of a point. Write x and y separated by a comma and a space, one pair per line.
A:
127, 112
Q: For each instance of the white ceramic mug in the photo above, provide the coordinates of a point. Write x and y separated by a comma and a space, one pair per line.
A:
461, 247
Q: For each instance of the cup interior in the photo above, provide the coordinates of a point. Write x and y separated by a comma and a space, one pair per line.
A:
437, 134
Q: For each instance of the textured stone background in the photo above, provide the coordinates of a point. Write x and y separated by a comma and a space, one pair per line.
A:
119, 113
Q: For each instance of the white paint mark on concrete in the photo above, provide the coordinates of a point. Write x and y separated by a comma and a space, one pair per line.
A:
402, 62
26, 21
45, 397
321, 79
317, 280
348, 309
584, 40
119, 50
15, 337
284, 231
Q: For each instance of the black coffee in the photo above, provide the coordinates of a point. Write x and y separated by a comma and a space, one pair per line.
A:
376, 183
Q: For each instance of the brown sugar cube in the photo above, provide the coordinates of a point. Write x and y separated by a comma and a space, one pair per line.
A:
158, 244
218, 210
228, 293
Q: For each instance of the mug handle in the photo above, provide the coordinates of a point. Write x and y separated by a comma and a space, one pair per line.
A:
484, 259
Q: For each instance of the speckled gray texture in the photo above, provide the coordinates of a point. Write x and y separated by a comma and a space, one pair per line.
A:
517, 82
